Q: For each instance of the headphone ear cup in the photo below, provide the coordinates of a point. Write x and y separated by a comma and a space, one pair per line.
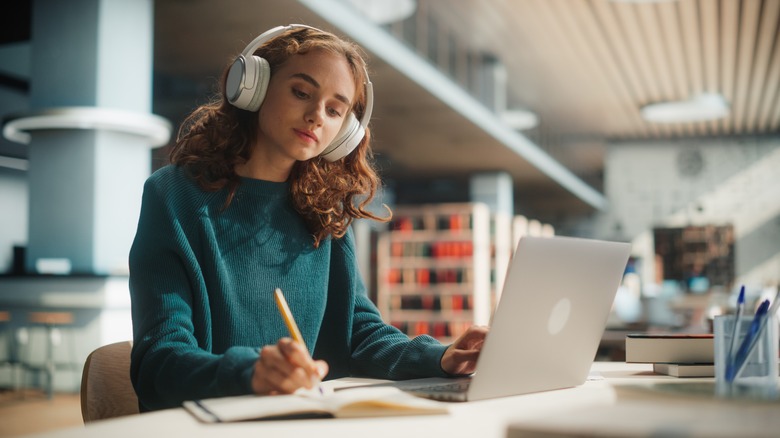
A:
253, 70
346, 140
262, 73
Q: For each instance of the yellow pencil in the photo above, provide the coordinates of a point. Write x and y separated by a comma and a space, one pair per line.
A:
292, 327
284, 309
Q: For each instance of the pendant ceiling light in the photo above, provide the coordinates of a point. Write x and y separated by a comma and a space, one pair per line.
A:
708, 106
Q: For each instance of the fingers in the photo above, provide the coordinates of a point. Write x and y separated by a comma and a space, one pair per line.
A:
459, 362
286, 367
461, 357
322, 368
472, 339
297, 355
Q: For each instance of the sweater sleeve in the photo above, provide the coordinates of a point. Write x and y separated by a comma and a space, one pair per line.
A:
379, 349
171, 359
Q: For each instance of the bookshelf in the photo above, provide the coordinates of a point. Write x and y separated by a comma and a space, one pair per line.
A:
434, 268
441, 267
697, 251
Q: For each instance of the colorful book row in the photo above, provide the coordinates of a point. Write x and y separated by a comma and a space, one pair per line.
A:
432, 223
455, 249
424, 277
433, 302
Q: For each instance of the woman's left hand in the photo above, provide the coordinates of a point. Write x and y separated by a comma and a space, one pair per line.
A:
461, 357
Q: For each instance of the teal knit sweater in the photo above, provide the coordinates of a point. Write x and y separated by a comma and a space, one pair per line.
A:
202, 282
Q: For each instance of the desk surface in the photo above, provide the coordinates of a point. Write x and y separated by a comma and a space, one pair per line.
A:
621, 404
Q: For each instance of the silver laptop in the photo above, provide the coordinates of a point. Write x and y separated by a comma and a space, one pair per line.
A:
548, 324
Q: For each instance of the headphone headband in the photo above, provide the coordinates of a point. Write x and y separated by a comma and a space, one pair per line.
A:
271, 34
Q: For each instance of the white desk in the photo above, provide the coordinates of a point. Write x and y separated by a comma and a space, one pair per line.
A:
615, 406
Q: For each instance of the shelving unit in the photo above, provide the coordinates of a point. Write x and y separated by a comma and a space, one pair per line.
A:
441, 267
697, 251
434, 269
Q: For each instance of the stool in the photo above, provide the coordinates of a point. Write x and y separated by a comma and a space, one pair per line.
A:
51, 321
10, 357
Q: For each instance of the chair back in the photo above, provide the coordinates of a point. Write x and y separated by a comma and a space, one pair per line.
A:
106, 390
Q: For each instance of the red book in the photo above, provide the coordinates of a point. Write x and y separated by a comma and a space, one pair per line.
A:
457, 302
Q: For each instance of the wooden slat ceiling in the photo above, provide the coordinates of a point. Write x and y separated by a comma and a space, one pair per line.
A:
586, 67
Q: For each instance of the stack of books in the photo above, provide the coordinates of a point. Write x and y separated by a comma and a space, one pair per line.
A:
675, 354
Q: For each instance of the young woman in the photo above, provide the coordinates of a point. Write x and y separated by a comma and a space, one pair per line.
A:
262, 189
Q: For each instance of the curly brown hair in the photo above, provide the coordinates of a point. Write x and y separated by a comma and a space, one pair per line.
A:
217, 136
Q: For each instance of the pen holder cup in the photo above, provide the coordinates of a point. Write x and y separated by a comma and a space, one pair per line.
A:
758, 378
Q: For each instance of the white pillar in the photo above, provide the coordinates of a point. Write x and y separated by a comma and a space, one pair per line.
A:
495, 190
89, 130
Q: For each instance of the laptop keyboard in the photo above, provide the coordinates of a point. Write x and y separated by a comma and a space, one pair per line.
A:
459, 386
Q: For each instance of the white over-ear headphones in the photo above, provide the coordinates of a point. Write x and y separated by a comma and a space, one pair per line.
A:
247, 83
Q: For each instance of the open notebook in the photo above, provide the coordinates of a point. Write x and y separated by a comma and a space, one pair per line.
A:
349, 403
548, 324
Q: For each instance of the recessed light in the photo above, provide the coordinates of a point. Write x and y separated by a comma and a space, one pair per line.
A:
707, 106
384, 11
519, 119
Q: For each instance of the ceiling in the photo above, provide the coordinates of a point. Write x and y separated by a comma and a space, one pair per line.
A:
585, 67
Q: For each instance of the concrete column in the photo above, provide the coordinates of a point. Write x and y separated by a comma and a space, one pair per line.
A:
495, 190
87, 168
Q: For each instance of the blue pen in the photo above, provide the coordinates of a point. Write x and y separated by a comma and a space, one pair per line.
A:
769, 314
730, 357
749, 342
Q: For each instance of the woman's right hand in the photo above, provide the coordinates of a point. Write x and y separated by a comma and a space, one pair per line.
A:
286, 367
